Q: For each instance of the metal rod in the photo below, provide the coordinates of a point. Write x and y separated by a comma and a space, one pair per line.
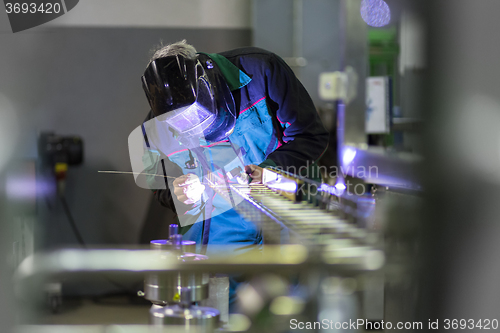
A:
133, 173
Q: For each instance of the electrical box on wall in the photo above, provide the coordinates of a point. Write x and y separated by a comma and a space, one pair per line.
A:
378, 105
332, 86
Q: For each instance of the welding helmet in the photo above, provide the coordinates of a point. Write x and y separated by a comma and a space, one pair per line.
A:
191, 96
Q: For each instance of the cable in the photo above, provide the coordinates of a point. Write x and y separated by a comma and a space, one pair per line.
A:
71, 221
79, 237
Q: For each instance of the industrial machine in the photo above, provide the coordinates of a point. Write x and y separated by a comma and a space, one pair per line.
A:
173, 293
323, 261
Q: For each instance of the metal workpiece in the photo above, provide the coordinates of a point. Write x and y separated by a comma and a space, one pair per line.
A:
188, 246
173, 293
167, 287
272, 258
379, 166
184, 313
166, 245
177, 274
110, 328
204, 319
176, 243
305, 216
173, 229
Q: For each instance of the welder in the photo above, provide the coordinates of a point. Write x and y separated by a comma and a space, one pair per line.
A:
243, 110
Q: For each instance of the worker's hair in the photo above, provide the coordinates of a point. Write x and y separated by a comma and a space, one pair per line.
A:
181, 48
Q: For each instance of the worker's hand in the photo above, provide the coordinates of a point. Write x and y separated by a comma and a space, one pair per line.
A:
188, 188
255, 172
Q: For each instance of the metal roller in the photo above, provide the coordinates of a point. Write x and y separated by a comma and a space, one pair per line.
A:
166, 245
206, 320
166, 288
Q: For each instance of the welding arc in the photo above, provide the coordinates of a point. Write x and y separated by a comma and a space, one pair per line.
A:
134, 173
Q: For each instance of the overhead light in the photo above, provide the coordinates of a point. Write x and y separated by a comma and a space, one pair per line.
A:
375, 13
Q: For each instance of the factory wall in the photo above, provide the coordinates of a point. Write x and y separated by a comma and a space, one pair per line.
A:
227, 14
85, 81
308, 29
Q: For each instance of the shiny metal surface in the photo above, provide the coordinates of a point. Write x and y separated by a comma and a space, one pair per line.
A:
165, 288
207, 319
68, 263
378, 166
307, 219
165, 245
105, 329
173, 229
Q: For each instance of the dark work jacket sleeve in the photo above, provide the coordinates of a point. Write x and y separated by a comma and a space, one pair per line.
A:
164, 196
305, 138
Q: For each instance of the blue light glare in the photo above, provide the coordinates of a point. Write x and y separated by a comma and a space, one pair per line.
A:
375, 13
340, 187
327, 189
348, 156
275, 181
286, 186
159, 241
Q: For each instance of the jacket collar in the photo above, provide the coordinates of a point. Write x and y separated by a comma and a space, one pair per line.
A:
235, 77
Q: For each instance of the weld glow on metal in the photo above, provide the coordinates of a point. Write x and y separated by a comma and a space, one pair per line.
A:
340, 188
348, 155
269, 176
327, 189
337, 189
276, 181
375, 13
285, 186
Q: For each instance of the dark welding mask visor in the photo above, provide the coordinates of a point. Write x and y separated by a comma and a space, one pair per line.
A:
191, 96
